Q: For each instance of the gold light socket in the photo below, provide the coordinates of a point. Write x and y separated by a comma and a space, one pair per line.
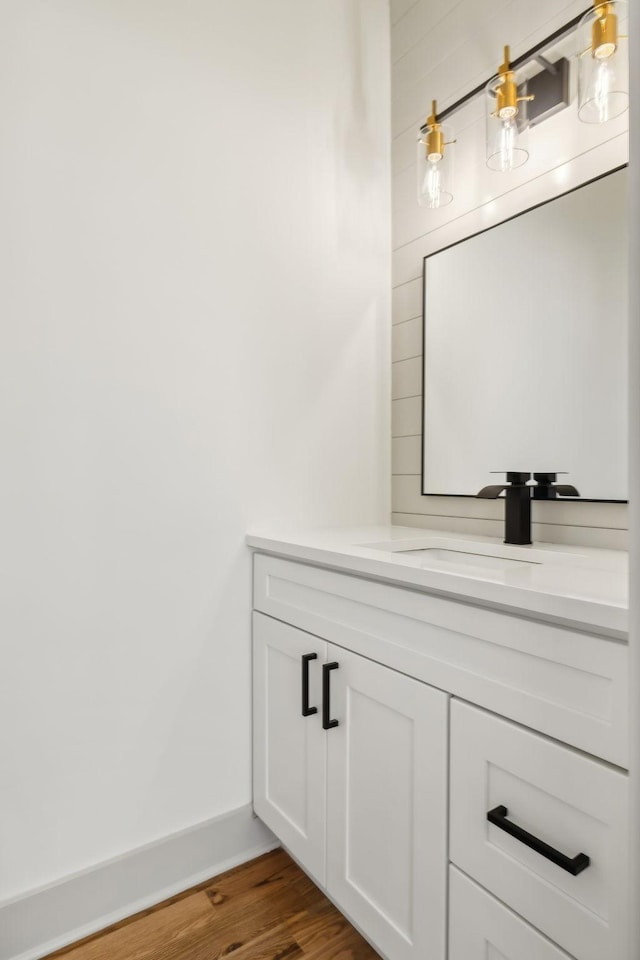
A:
435, 137
507, 98
435, 143
604, 32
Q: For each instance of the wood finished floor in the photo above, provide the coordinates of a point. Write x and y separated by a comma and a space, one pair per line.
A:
263, 910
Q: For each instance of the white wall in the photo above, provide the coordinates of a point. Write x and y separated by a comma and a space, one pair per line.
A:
194, 241
443, 50
634, 481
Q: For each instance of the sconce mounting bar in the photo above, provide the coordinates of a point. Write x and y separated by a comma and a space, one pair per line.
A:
532, 54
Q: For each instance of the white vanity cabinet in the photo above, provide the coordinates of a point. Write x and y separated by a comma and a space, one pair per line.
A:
353, 779
470, 756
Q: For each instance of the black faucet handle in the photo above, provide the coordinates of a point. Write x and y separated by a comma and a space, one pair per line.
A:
515, 476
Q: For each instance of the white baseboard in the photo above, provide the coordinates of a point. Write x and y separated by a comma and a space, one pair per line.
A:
52, 917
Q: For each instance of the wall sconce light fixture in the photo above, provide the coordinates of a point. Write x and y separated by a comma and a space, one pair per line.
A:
532, 88
507, 120
435, 163
603, 62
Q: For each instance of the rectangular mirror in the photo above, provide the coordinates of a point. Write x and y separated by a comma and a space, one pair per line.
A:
525, 348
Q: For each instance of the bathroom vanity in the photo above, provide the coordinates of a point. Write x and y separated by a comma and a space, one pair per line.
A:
441, 737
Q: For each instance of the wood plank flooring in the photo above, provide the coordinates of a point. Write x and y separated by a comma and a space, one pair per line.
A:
263, 910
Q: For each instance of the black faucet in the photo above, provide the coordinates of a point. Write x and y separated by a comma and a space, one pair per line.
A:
518, 500
517, 506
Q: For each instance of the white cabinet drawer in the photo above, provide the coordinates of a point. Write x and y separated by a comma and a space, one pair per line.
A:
481, 928
567, 684
570, 802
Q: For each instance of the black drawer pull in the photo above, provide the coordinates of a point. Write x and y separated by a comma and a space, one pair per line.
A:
307, 711
327, 723
573, 865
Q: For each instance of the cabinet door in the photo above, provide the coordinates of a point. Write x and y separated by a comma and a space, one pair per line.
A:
289, 749
386, 806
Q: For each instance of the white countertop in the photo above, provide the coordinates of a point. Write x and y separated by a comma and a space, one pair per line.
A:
575, 586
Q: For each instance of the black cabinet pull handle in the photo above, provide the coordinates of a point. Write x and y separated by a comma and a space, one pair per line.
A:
307, 711
573, 865
327, 723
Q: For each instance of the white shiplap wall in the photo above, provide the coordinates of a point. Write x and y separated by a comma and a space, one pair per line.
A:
443, 49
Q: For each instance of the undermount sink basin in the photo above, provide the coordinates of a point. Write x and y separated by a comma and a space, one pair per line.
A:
469, 559
452, 553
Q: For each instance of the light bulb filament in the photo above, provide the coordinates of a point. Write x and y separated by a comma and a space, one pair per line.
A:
602, 90
507, 143
432, 185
